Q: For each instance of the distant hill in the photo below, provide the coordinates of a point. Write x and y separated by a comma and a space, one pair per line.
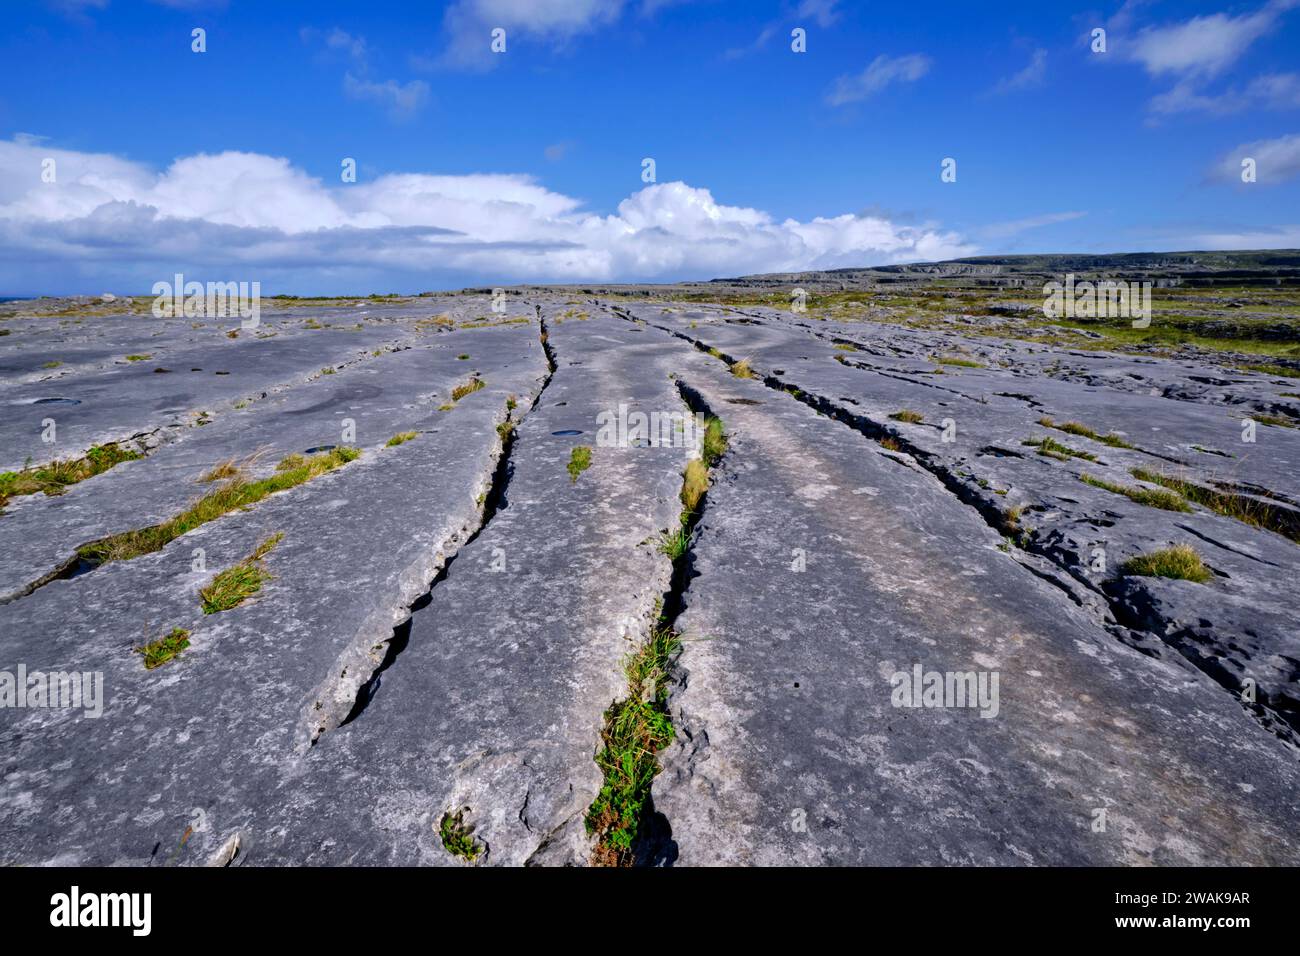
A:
1249, 267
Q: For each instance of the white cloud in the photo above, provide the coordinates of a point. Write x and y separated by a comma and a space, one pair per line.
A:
113, 223
403, 100
822, 12
1203, 46
469, 24
1031, 75
1005, 230
883, 71
1280, 237
1276, 160
1279, 91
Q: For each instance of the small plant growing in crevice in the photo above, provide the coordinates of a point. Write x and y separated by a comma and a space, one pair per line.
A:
1055, 449
579, 461
1154, 498
957, 361
159, 652
1238, 507
54, 478
473, 385
401, 438
458, 837
1180, 562
234, 494
908, 416
741, 369
235, 585
636, 729
1076, 428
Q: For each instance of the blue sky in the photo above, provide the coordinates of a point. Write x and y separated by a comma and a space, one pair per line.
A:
474, 167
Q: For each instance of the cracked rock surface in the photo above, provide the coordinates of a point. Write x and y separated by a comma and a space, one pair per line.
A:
445, 622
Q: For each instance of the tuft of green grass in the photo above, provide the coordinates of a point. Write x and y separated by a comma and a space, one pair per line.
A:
138, 358
401, 438
54, 478
1054, 449
1166, 500
1180, 561
675, 543
53, 363
221, 471
741, 369
1238, 507
463, 356
636, 728
956, 360
235, 585
1282, 370
907, 415
236, 493
327, 371
1076, 428
846, 347
473, 385
1276, 420
159, 652
579, 461
458, 837
695, 482
715, 441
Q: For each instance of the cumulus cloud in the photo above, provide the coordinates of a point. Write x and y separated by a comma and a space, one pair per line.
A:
117, 223
883, 71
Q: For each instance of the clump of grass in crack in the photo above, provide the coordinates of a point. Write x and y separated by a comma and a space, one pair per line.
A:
1054, 449
463, 356
1165, 500
138, 358
889, 443
236, 493
159, 652
235, 585
636, 729
1276, 420
1180, 561
579, 461
845, 347
907, 415
458, 837
715, 441
1076, 428
401, 438
54, 478
1283, 370
741, 369
53, 363
219, 472
675, 543
473, 385
957, 360
1237, 507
